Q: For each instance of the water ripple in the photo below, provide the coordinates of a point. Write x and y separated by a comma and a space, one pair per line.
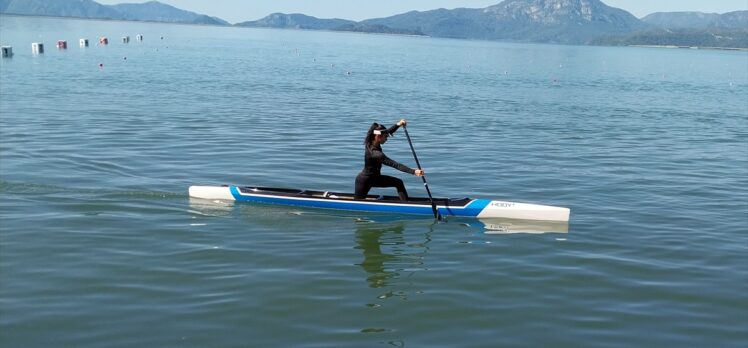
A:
100, 243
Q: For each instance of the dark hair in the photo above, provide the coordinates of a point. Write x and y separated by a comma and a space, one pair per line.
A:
370, 134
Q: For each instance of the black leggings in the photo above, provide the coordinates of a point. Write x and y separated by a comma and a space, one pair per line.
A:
364, 183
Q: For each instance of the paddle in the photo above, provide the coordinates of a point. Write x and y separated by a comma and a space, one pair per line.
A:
437, 215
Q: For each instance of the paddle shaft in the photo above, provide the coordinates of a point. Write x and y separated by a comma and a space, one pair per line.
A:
426, 184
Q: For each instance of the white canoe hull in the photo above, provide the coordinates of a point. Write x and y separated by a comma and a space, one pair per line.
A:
477, 208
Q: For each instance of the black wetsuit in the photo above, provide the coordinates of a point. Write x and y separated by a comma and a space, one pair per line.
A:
371, 175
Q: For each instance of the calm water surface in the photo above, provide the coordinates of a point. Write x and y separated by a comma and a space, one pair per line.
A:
101, 246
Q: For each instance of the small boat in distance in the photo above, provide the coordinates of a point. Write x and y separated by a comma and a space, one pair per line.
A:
461, 207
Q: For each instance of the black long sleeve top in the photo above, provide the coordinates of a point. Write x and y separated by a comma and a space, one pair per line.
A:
374, 158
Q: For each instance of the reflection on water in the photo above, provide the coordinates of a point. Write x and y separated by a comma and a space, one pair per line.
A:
205, 207
509, 226
387, 255
375, 226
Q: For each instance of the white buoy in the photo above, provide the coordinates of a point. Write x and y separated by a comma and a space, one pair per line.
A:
84, 42
139, 37
7, 51
125, 39
37, 48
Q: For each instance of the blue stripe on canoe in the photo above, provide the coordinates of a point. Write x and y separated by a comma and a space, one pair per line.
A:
472, 209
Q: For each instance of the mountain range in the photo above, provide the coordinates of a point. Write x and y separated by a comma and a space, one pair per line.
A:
150, 11
554, 21
559, 21
698, 20
548, 21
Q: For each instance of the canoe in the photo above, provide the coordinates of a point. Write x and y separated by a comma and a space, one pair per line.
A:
460, 207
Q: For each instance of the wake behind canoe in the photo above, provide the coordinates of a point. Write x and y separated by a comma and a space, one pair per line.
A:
462, 207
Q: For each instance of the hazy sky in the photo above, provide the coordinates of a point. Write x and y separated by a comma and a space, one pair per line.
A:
242, 10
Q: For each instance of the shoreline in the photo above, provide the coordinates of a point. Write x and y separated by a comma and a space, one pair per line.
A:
692, 47
738, 49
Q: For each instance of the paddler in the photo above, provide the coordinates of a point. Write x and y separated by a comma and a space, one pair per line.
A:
371, 175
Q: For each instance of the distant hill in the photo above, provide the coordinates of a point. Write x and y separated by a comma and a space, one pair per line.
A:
158, 12
300, 21
295, 21
698, 20
60, 8
149, 11
461, 23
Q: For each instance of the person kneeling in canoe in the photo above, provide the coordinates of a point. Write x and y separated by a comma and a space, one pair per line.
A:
371, 175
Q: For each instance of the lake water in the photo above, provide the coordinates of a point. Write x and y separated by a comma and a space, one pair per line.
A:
100, 245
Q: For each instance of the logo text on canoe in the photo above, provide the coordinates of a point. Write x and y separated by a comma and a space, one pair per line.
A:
502, 204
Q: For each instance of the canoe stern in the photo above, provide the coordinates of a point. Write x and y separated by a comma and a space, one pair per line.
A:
212, 192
